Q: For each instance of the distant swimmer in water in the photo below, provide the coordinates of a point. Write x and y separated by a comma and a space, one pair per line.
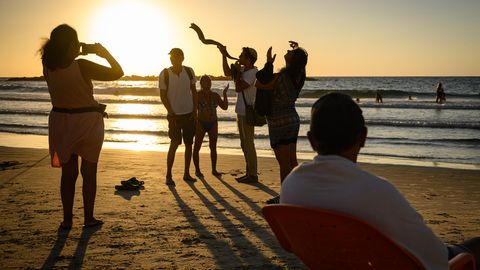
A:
378, 98
358, 100
440, 94
410, 98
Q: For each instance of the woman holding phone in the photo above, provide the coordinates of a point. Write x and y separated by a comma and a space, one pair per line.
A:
75, 124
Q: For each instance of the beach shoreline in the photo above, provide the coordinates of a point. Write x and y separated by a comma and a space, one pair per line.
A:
41, 142
213, 223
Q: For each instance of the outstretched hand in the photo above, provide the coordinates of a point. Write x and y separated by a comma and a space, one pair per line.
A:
226, 89
270, 59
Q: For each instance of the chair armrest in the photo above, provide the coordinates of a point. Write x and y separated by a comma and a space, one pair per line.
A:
463, 261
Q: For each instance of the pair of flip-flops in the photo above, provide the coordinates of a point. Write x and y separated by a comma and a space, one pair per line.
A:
130, 184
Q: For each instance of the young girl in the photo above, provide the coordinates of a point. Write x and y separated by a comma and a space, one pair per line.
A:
207, 122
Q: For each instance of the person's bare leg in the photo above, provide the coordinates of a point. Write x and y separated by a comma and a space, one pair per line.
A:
199, 135
67, 189
188, 158
283, 157
89, 191
293, 156
212, 141
170, 159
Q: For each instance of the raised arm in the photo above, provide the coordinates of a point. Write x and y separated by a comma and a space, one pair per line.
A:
223, 103
93, 71
226, 68
265, 77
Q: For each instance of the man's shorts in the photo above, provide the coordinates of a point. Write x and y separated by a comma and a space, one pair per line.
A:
183, 127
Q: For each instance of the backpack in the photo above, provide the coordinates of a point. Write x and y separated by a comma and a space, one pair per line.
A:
166, 76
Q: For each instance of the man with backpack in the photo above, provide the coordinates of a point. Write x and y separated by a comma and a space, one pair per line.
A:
178, 95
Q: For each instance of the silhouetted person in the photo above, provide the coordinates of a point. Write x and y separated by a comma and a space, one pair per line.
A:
243, 73
333, 181
440, 94
178, 95
207, 122
283, 121
75, 124
378, 98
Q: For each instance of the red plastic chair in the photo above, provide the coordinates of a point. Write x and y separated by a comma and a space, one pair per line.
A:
325, 239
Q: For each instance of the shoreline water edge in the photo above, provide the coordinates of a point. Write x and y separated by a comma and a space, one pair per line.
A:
408, 128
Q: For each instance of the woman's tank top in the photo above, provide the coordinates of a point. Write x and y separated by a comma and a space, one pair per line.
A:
68, 89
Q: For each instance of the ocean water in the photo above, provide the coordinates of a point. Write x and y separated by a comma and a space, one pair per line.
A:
400, 129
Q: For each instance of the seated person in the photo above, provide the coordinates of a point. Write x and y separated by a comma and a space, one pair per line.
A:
334, 181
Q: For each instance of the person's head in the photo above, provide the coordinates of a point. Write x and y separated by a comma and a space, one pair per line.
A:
248, 57
337, 126
439, 86
61, 48
295, 63
176, 57
205, 82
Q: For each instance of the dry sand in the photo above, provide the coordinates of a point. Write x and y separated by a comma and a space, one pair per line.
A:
212, 224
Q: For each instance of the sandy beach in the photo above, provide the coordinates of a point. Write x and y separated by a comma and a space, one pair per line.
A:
214, 223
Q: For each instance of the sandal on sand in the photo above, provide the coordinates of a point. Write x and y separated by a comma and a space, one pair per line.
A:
127, 186
188, 178
274, 200
216, 173
133, 181
94, 223
63, 226
241, 177
248, 180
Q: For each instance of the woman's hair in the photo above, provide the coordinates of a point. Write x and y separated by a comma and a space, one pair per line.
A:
296, 68
203, 78
55, 49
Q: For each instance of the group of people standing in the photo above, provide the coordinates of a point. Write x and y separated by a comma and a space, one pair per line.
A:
76, 126
194, 114
337, 133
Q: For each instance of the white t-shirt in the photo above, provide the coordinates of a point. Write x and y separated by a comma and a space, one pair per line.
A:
336, 183
250, 92
179, 94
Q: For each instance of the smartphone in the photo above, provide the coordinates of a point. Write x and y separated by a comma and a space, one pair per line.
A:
88, 48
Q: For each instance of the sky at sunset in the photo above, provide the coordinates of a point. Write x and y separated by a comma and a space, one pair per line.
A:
342, 37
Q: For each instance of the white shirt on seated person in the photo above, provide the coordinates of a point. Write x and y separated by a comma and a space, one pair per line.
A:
336, 183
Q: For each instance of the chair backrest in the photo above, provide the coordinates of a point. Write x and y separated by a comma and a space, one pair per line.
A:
325, 239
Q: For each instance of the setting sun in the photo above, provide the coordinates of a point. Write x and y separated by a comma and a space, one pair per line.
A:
136, 33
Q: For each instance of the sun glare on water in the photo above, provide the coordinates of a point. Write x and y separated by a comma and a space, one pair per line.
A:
137, 34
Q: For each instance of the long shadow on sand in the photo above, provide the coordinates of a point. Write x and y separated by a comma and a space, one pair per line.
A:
77, 259
239, 194
57, 248
266, 189
247, 249
220, 249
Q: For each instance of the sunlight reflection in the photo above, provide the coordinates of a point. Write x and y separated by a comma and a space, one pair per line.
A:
134, 109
